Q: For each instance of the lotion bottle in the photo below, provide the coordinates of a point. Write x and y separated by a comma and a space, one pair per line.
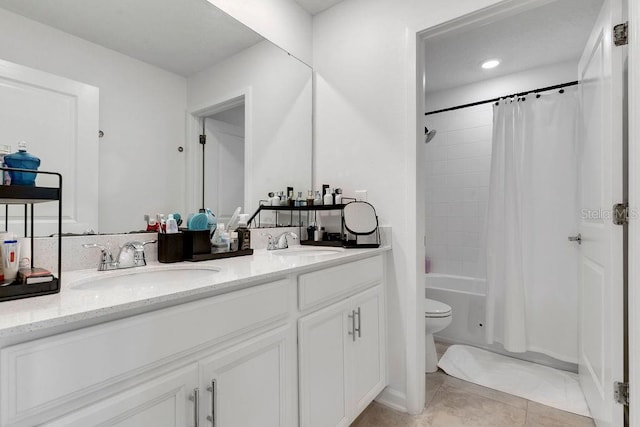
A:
328, 197
171, 225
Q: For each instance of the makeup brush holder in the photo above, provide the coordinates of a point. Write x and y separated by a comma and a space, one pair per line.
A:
170, 247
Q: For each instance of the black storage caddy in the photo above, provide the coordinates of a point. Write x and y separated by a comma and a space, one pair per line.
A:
197, 247
28, 196
170, 247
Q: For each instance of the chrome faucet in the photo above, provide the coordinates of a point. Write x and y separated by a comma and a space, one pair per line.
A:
279, 242
131, 255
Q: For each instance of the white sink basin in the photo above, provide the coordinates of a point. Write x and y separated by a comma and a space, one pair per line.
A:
144, 277
308, 251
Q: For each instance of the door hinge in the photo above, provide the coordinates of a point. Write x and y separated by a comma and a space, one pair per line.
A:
620, 34
203, 139
620, 214
621, 393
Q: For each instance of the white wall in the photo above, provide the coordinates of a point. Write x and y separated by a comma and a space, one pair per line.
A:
366, 138
284, 22
278, 116
458, 164
141, 113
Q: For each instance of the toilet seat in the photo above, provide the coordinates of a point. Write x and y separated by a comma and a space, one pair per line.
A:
433, 308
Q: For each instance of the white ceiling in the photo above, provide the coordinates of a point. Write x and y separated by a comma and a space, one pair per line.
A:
553, 33
316, 6
183, 36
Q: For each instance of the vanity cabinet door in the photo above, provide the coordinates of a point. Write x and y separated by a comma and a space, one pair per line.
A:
250, 384
166, 401
322, 342
368, 376
342, 359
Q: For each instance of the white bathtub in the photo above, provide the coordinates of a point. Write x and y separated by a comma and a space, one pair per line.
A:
467, 298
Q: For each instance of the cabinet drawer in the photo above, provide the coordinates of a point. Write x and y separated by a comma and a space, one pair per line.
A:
44, 373
328, 284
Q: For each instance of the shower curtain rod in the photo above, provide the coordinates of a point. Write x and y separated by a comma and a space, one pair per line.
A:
473, 104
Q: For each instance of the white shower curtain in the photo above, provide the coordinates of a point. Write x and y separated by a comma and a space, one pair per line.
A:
532, 268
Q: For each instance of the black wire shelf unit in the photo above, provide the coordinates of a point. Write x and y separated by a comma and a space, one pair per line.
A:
303, 216
29, 196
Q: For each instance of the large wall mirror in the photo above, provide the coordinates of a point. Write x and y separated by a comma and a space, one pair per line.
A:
153, 76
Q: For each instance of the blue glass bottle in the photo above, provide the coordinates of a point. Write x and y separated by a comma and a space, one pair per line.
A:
22, 160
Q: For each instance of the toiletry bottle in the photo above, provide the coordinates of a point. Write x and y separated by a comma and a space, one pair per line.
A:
310, 198
273, 199
283, 199
171, 225
328, 197
338, 196
225, 241
318, 199
290, 197
300, 201
233, 241
244, 235
311, 231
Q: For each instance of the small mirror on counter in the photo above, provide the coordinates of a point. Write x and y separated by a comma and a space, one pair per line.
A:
361, 222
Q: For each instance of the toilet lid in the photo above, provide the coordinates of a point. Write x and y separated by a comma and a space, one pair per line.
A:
433, 308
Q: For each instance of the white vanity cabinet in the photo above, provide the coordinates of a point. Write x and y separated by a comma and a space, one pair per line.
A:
229, 360
341, 350
167, 401
86, 370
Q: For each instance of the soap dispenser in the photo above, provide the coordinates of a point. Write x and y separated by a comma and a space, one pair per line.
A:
22, 160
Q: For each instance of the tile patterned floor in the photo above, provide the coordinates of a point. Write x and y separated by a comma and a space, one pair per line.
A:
451, 402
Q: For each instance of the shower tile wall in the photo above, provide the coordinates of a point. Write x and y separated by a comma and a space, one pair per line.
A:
458, 162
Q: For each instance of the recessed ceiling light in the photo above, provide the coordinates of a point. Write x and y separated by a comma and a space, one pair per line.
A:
491, 63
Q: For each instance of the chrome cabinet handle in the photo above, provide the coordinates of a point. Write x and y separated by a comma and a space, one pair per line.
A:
359, 329
195, 398
212, 389
352, 332
577, 238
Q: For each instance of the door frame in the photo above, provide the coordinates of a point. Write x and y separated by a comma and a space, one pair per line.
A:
503, 9
193, 193
633, 304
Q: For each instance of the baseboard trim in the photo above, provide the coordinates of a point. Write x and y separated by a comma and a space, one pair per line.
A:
393, 399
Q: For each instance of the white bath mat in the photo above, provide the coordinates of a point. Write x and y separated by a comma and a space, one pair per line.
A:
542, 384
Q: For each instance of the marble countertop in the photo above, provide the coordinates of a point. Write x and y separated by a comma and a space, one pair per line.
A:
81, 303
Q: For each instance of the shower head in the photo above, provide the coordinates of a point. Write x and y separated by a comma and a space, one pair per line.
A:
428, 135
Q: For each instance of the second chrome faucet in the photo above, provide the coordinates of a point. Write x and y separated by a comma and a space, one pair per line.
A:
279, 242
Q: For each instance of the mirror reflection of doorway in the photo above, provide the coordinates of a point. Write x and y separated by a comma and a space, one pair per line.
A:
224, 161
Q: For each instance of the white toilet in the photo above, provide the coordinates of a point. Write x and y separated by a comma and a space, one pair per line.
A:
437, 317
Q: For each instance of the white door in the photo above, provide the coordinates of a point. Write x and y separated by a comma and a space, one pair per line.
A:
248, 385
58, 118
163, 402
601, 251
224, 167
